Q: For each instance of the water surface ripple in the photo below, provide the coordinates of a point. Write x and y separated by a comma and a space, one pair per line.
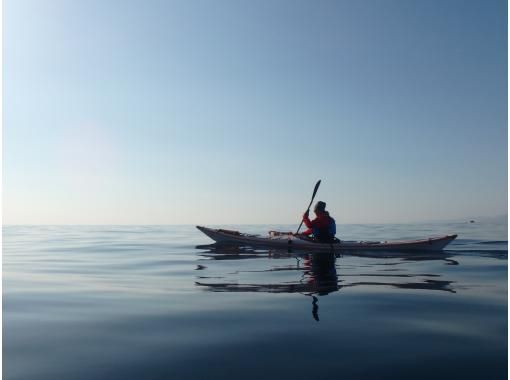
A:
161, 302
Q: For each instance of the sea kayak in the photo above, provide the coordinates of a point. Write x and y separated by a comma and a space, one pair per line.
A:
290, 241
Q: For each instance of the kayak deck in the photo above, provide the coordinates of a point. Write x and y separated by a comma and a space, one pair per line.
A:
289, 240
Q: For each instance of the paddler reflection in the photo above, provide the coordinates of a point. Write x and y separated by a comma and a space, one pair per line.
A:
320, 275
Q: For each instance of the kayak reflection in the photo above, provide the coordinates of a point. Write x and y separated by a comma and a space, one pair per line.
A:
316, 274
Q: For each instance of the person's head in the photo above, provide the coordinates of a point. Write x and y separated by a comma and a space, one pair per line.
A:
319, 207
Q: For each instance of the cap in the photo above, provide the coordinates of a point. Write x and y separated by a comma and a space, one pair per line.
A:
320, 206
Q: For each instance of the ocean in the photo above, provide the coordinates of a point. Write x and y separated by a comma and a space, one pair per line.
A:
159, 302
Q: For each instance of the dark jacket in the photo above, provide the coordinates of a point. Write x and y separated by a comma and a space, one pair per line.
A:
322, 227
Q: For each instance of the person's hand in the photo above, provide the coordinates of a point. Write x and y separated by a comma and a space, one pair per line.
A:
305, 215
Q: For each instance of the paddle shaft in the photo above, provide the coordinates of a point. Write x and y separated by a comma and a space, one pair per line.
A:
313, 196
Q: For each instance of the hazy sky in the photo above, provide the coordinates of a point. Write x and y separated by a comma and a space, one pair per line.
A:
205, 112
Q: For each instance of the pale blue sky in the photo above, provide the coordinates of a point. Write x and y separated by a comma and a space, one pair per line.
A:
206, 112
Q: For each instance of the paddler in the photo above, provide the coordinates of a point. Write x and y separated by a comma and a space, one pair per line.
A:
323, 227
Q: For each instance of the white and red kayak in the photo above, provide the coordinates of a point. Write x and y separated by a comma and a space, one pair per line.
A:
288, 240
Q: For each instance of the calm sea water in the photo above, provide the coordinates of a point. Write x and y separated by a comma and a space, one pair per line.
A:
144, 302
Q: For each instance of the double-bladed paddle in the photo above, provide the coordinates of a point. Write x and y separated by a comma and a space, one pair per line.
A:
313, 196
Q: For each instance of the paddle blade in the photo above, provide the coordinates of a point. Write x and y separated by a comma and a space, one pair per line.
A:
316, 188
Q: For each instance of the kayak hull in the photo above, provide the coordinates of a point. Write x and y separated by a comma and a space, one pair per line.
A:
289, 241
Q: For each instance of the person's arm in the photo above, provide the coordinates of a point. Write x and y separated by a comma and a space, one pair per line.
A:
306, 219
